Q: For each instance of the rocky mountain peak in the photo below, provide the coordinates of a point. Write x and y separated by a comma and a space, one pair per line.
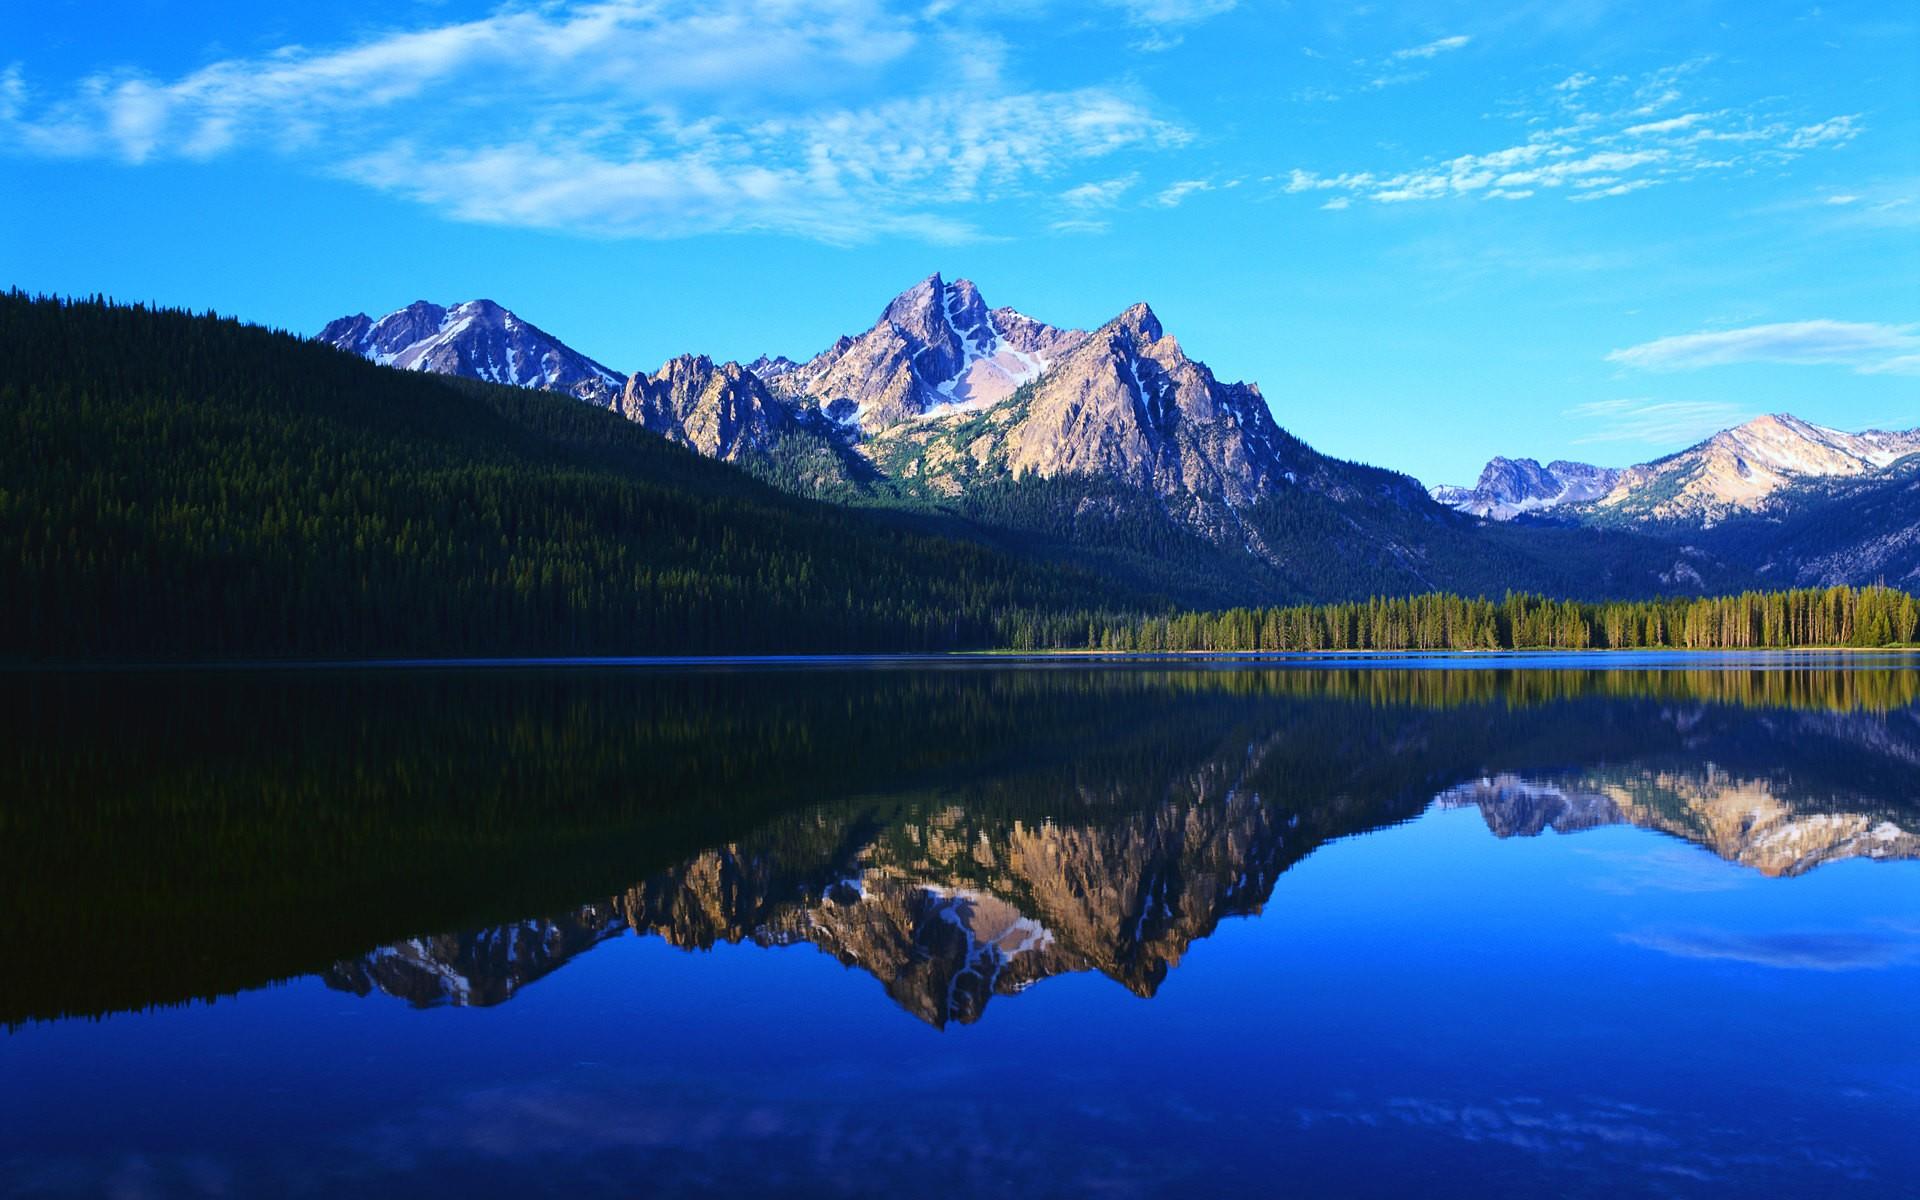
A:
721, 410
936, 346
1745, 468
476, 339
1128, 403
1139, 321
918, 309
1508, 487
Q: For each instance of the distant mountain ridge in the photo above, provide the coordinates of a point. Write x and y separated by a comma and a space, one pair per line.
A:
1743, 469
1508, 487
1747, 467
1800, 504
475, 339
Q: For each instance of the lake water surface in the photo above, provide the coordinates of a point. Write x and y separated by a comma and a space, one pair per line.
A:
1495, 928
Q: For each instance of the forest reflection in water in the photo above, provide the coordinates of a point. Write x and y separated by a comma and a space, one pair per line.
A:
450, 836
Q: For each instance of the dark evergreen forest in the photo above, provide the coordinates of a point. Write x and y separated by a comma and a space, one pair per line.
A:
176, 486
183, 486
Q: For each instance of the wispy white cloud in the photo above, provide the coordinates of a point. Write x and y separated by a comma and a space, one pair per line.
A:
652, 118
1653, 422
1670, 125
1172, 12
1830, 132
1161, 21
1080, 225
1099, 193
1594, 140
1437, 46
1172, 196
1867, 347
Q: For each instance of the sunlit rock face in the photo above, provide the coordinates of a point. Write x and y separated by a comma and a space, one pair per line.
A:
1743, 468
936, 347
1128, 403
721, 410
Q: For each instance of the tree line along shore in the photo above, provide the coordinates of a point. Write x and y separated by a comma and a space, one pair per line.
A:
1875, 616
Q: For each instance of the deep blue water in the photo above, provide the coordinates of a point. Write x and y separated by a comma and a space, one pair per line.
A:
1116, 931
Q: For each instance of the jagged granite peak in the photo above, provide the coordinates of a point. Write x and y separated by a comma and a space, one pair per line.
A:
722, 410
1128, 403
476, 339
1744, 468
935, 346
1508, 487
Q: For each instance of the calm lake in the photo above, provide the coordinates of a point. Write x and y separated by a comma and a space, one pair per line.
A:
1507, 927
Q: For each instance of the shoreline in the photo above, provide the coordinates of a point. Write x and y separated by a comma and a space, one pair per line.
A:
1533, 658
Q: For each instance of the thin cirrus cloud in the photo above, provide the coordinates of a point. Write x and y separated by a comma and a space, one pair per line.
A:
1176, 194
1869, 348
1161, 20
1435, 47
1644, 420
1593, 140
622, 119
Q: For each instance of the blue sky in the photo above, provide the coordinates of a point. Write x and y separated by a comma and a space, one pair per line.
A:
1430, 232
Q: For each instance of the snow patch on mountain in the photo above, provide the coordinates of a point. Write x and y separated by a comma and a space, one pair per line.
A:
475, 339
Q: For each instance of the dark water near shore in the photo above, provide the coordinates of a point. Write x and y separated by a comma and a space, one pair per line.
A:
1502, 928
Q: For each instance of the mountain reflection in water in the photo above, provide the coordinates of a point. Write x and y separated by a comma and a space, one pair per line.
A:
957, 834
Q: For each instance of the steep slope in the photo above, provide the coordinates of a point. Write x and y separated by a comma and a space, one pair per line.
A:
474, 340
1746, 469
1853, 530
1125, 405
1128, 404
1508, 487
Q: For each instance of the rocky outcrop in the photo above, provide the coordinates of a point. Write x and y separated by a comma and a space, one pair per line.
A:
721, 410
1508, 487
475, 340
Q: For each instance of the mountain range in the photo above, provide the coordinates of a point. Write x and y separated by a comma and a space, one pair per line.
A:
1758, 467
1117, 451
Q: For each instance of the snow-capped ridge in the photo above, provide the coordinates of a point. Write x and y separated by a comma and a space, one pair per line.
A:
475, 339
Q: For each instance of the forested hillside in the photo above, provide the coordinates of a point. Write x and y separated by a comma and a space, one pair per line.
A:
186, 487
189, 487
